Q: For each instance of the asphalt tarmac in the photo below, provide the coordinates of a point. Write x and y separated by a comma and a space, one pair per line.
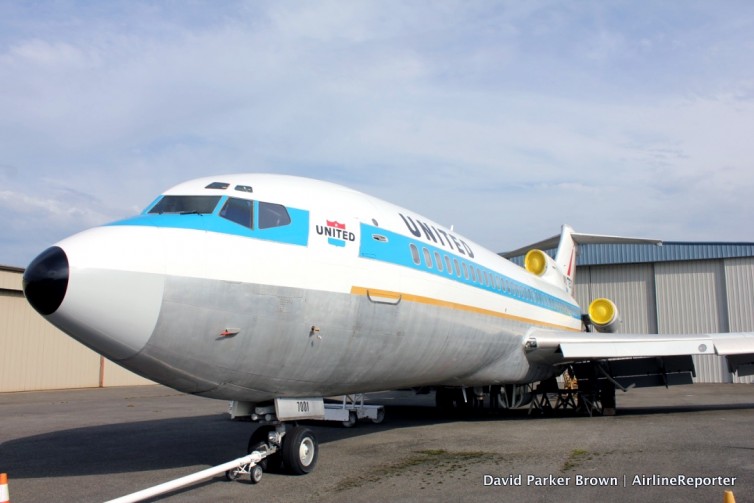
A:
99, 444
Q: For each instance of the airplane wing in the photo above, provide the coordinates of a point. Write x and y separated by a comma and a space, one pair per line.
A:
558, 347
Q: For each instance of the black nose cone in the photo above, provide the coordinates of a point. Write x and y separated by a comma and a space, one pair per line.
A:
46, 280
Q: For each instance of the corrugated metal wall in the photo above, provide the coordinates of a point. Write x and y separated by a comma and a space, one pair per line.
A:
694, 296
10, 279
739, 283
691, 298
630, 286
34, 355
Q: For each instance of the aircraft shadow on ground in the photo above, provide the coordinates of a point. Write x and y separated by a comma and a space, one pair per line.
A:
670, 409
214, 439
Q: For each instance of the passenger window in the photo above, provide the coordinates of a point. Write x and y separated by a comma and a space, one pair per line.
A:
448, 267
438, 261
239, 211
427, 258
273, 215
465, 270
456, 267
415, 254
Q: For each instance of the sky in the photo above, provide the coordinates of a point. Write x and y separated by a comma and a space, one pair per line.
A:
504, 119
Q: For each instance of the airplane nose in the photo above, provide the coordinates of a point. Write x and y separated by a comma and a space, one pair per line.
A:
103, 287
45, 281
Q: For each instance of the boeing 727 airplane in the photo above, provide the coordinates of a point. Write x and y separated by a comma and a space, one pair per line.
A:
279, 291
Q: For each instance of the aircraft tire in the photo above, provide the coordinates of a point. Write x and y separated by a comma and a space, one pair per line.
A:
352, 419
232, 475
380, 416
300, 450
256, 474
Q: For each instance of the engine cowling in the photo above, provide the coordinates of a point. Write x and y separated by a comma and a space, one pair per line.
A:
603, 314
541, 264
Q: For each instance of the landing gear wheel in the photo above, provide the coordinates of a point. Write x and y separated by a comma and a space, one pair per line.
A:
380, 416
300, 450
351, 421
256, 474
232, 474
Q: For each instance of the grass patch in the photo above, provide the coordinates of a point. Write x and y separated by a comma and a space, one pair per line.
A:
575, 458
428, 462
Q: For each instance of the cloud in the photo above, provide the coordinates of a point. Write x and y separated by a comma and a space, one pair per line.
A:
51, 210
505, 119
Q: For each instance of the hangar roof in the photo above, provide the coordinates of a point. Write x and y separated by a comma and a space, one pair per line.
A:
669, 251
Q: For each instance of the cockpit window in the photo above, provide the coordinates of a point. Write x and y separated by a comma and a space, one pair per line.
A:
273, 215
217, 185
186, 204
239, 211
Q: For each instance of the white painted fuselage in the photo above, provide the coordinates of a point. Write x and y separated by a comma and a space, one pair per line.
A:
318, 290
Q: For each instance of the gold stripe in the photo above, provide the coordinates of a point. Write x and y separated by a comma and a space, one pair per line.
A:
374, 292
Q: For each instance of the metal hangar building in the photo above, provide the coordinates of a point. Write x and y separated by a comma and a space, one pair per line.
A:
676, 287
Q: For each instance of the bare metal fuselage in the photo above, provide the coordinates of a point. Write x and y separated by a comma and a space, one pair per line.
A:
295, 342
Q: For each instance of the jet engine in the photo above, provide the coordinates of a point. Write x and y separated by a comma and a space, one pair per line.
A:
541, 264
604, 316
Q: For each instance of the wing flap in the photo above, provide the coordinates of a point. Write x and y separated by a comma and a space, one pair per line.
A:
554, 347
625, 349
735, 344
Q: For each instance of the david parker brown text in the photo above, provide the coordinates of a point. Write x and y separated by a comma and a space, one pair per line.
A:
624, 481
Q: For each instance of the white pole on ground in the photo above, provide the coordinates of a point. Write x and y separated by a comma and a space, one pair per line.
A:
172, 485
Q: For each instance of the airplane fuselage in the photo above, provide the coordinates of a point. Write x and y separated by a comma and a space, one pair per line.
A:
251, 287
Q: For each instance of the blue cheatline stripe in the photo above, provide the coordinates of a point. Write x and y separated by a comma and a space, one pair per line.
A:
295, 233
336, 242
397, 250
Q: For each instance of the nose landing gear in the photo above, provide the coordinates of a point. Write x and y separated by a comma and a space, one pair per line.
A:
279, 443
